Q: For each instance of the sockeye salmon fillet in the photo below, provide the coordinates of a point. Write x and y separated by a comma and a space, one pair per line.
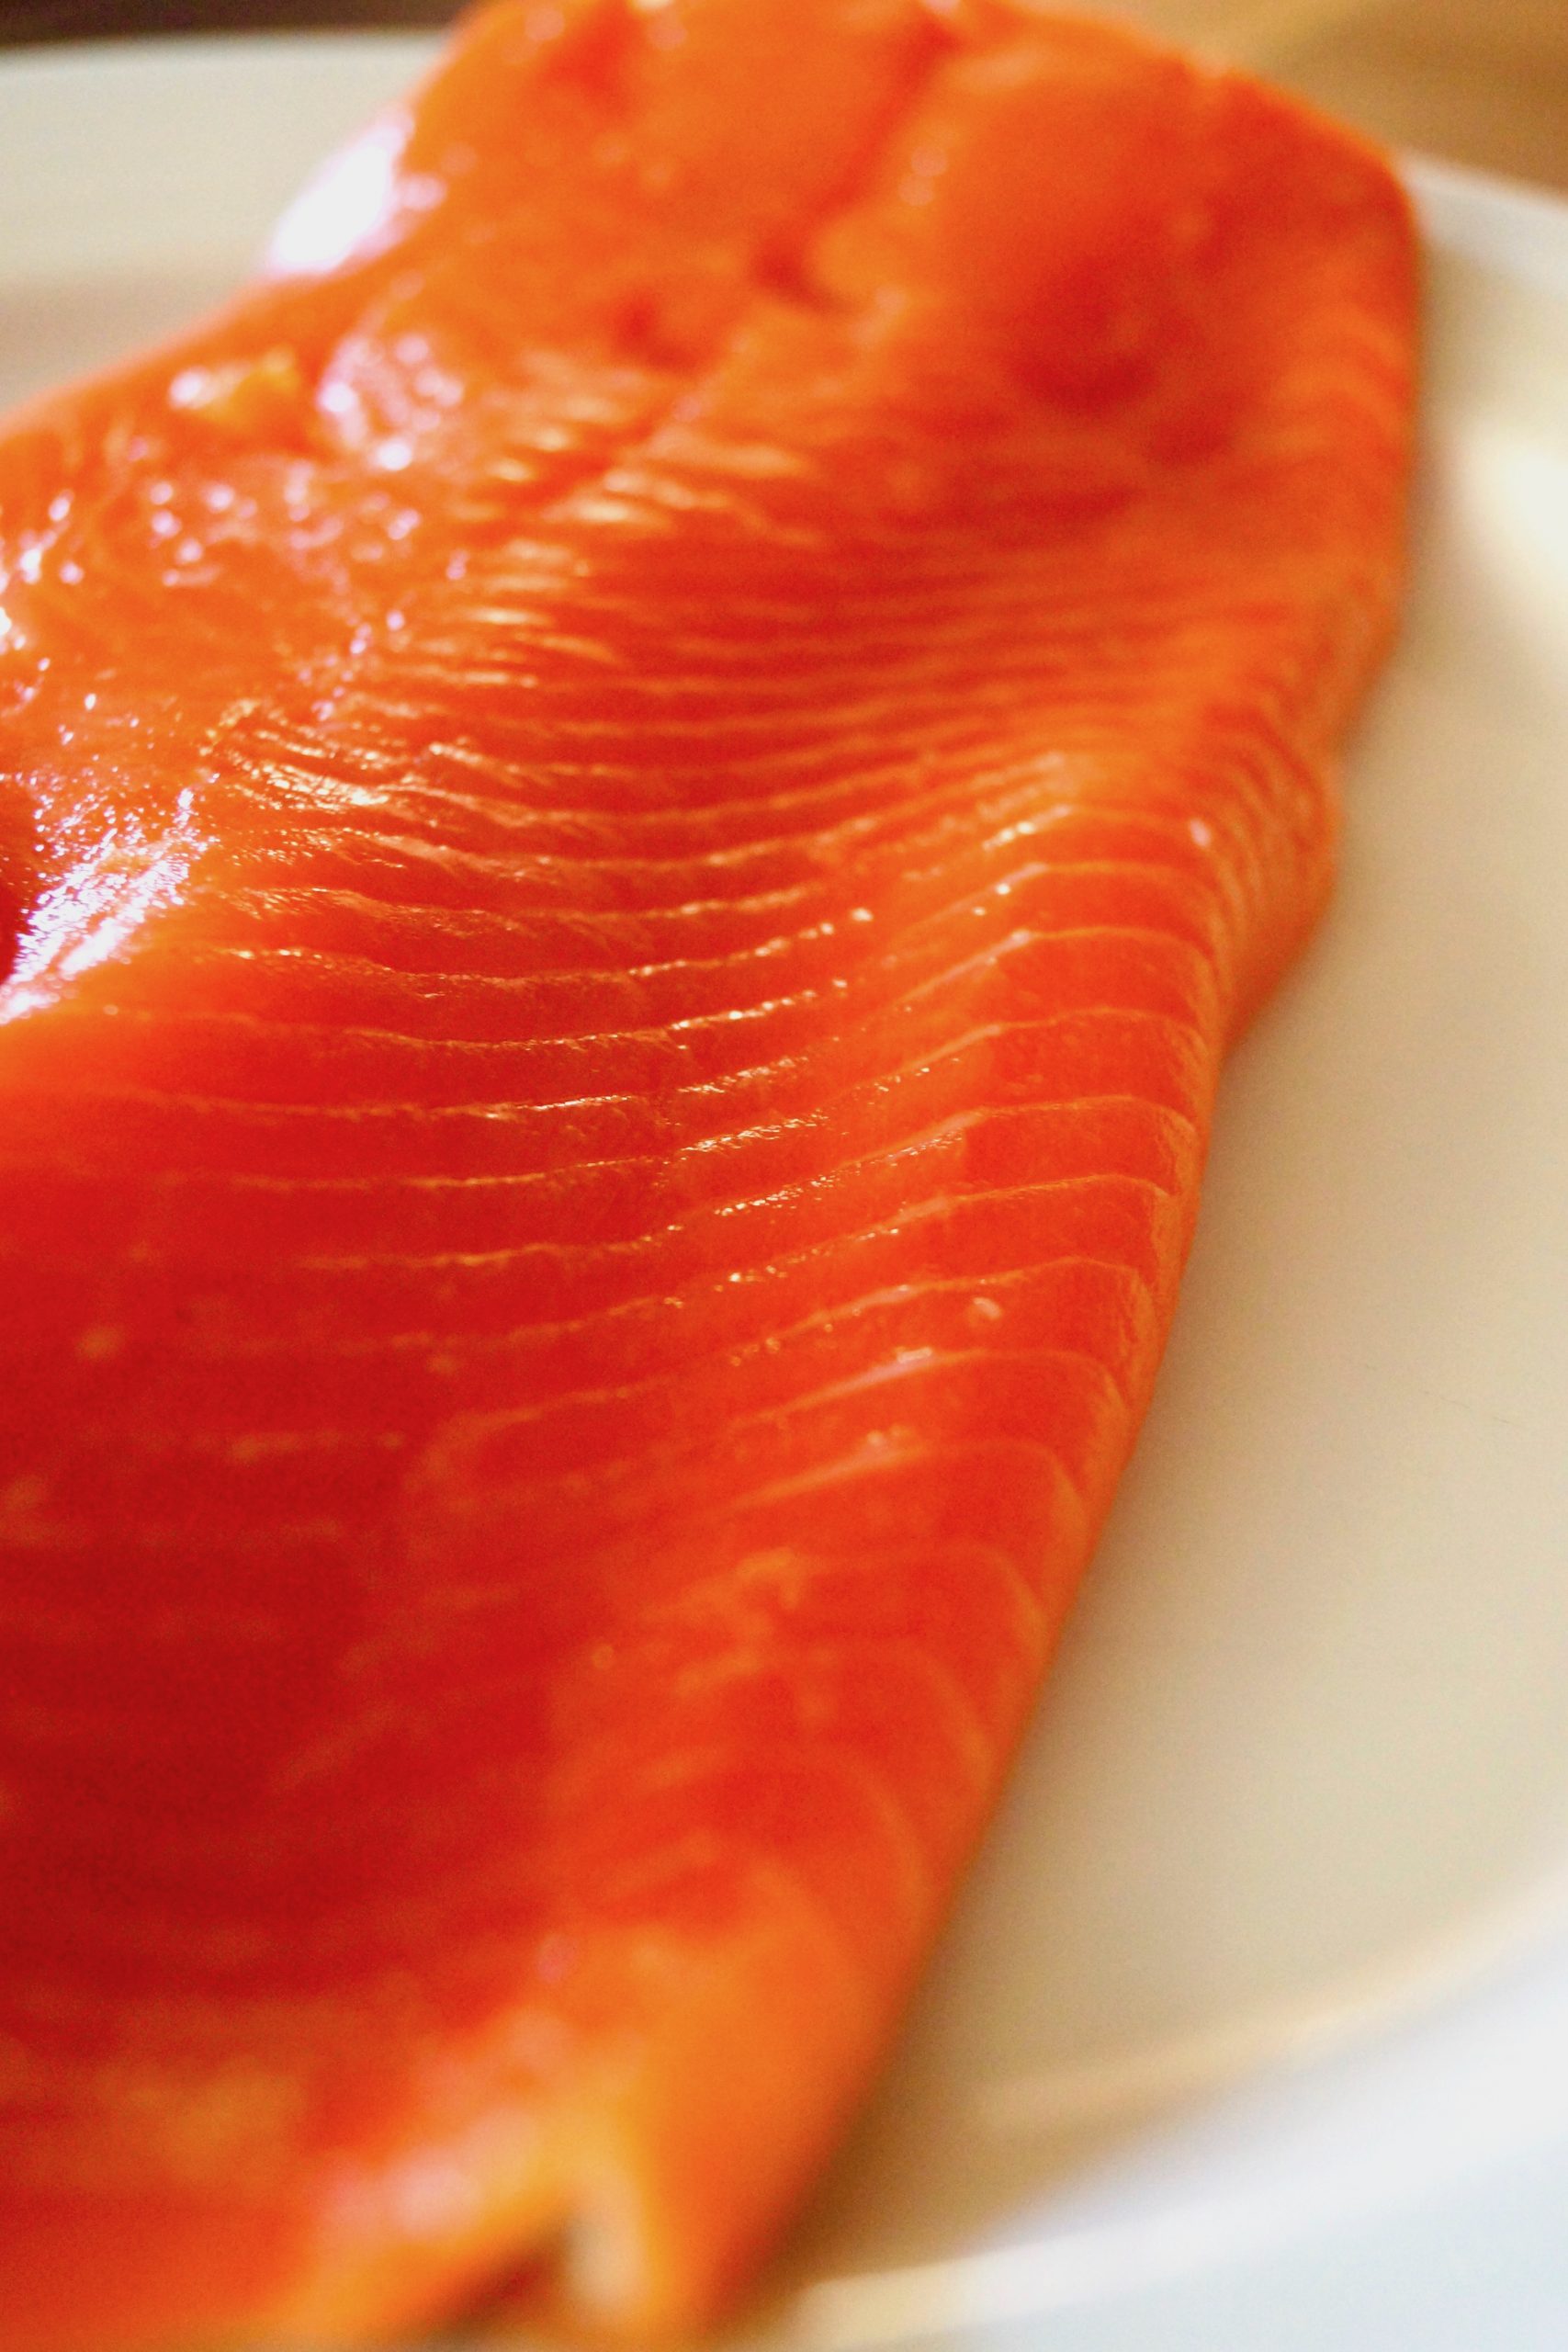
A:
643, 793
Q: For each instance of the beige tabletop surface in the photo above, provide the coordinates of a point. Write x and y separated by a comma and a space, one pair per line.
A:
1481, 82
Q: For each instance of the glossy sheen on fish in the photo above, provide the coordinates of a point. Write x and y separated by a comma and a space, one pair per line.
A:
642, 794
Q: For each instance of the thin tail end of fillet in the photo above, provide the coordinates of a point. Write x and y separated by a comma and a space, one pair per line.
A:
636, 2208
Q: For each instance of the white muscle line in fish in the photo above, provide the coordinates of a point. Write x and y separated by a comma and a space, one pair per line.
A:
557, 1179
909, 1364
961, 1457
682, 1228
338, 1040
775, 1074
894, 934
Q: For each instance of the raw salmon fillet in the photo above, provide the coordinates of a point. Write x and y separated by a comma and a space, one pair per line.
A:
641, 795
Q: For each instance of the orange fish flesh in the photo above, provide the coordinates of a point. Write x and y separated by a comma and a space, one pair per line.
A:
643, 792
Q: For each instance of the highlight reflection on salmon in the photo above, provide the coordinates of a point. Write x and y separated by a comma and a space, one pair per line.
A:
642, 794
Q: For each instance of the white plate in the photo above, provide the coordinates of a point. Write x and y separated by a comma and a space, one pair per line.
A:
1251, 2034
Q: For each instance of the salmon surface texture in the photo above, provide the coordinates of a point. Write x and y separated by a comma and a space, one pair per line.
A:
640, 795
